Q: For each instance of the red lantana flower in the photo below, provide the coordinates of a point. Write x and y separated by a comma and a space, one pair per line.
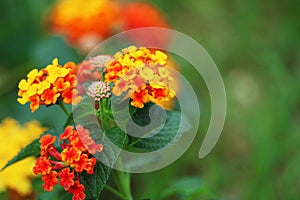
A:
77, 189
66, 178
42, 166
47, 141
50, 180
74, 158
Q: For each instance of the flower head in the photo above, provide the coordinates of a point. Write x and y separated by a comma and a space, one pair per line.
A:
64, 166
81, 21
98, 90
142, 75
98, 62
142, 14
49, 85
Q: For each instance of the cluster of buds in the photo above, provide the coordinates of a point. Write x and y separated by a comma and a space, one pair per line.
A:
49, 85
142, 75
98, 90
75, 157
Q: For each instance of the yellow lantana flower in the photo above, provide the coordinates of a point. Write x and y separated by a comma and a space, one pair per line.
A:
14, 137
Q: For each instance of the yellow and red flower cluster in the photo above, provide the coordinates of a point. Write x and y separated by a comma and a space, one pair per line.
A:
87, 22
49, 85
142, 75
74, 158
81, 20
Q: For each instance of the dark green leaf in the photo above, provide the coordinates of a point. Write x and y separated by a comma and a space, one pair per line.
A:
85, 112
122, 112
169, 131
94, 183
141, 116
116, 136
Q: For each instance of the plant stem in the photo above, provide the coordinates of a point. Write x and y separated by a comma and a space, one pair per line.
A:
62, 106
123, 183
103, 118
115, 192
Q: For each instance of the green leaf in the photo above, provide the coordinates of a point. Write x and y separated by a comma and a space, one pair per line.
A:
122, 111
116, 136
32, 149
141, 116
167, 132
94, 183
84, 112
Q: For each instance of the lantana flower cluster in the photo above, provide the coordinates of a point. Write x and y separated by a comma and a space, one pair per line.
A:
49, 85
141, 14
75, 157
87, 22
142, 75
84, 20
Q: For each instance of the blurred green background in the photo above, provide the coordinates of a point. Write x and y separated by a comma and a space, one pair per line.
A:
254, 43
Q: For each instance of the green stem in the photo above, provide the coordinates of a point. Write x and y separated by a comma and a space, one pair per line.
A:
62, 106
101, 114
115, 192
122, 179
105, 114
123, 183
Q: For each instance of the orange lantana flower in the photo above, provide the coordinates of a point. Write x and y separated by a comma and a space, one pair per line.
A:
141, 74
84, 21
49, 85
